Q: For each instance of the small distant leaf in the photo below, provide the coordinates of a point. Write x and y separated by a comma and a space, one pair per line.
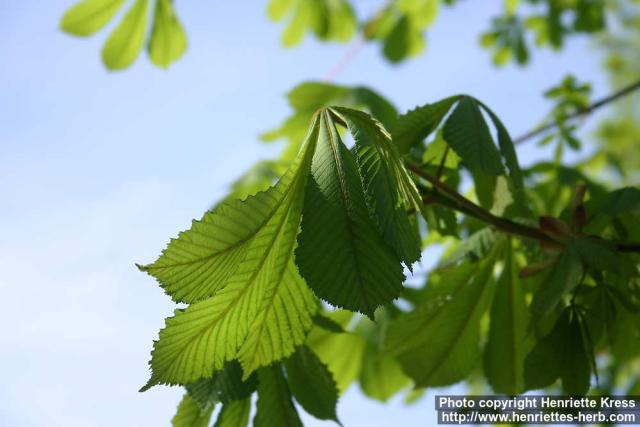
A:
190, 415
468, 134
89, 16
340, 253
168, 40
505, 352
234, 414
274, 407
397, 43
277, 9
312, 384
125, 42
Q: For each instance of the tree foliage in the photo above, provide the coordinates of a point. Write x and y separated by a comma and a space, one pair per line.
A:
294, 285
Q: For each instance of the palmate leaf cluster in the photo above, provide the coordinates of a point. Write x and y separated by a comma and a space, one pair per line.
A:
297, 289
166, 40
398, 26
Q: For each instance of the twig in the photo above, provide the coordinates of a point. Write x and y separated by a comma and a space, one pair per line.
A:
344, 61
442, 162
449, 197
583, 112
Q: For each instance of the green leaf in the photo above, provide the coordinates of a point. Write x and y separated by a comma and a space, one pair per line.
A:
225, 386
485, 188
234, 414
168, 40
508, 152
340, 253
203, 259
327, 19
125, 42
381, 375
504, 352
415, 125
563, 277
598, 254
190, 415
397, 43
561, 354
329, 346
263, 309
294, 32
475, 247
468, 134
327, 324
308, 97
312, 384
390, 191
89, 16
438, 343
621, 201
277, 9
274, 407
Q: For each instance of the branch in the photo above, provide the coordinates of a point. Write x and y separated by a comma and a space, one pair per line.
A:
583, 112
447, 196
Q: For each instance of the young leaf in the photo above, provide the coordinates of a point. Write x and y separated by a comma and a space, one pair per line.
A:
562, 278
234, 414
468, 134
274, 407
340, 253
125, 42
168, 40
504, 352
312, 384
190, 414
438, 343
389, 190
415, 125
264, 309
89, 16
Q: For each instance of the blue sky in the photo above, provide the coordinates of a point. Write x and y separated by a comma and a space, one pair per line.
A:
99, 169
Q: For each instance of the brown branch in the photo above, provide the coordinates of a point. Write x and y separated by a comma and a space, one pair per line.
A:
583, 112
447, 196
